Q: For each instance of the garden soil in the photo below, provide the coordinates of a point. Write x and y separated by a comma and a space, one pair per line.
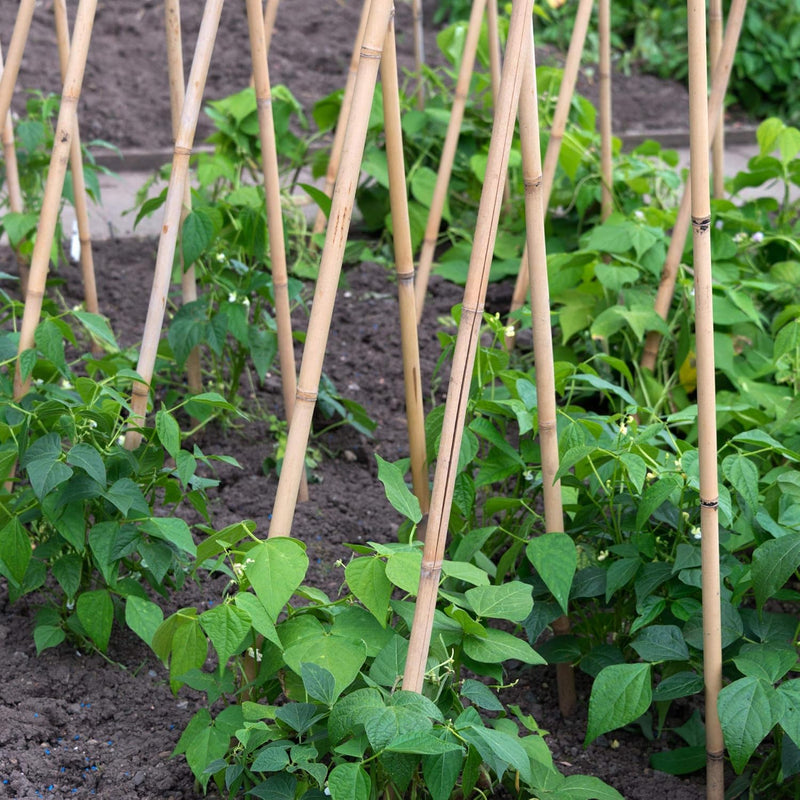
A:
73, 724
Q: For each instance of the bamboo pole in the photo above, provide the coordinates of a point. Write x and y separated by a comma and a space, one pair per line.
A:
606, 166
344, 115
16, 47
15, 203
495, 68
177, 94
466, 345
419, 50
557, 130
79, 194
270, 14
448, 153
48, 218
172, 216
272, 193
715, 26
404, 260
706, 396
669, 274
542, 335
330, 267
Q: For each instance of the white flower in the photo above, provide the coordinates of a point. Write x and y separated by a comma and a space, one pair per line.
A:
75, 243
638, 214
232, 297
120, 440
221, 258
254, 654
740, 237
92, 423
696, 533
719, 224
510, 332
757, 237
238, 571
602, 555
623, 429
65, 384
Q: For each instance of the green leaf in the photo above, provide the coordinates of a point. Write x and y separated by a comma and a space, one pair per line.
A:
15, 552
275, 568
319, 683
188, 649
173, 530
768, 661
342, 657
462, 571
661, 643
742, 474
499, 750
621, 693
774, 562
748, 709
398, 494
45, 636
67, 571
97, 327
682, 684
19, 226
96, 613
169, 432
441, 773
680, 761
555, 559
203, 743
367, 579
512, 601
227, 627
498, 646
349, 782
789, 717
143, 617
421, 743
197, 234
655, 495
480, 695
403, 569
271, 758
259, 618
89, 460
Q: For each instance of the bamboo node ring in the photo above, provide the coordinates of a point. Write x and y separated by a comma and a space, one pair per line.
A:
719, 756
701, 224
264, 102
709, 503
532, 183
370, 52
303, 396
465, 309
405, 277
140, 391
182, 150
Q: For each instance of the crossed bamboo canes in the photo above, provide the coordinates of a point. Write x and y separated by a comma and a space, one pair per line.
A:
669, 274
65, 133
706, 395
16, 47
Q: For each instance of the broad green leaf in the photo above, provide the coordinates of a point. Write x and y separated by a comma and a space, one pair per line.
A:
319, 683
398, 494
45, 474
45, 636
655, 495
197, 234
15, 551
203, 743
173, 530
403, 569
273, 757
742, 475
95, 612
98, 328
367, 579
498, 646
462, 571
441, 773
682, 684
621, 693
555, 558
227, 627
343, 658
89, 460
585, 787
349, 782
748, 709
789, 717
421, 743
512, 601
189, 649
388, 666
661, 643
774, 562
499, 750
259, 618
67, 571
480, 695
143, 617
275, 568
680, 761
169, 432
770, 661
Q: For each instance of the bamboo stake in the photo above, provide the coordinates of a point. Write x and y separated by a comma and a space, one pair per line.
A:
48, 218
606, 166
272, 193
557, 130
495, 68
669, 274
330, 267
706, 396
448, 153
177, 94
419, 50
16, 47
344, 115
404, 259
79, 194
542, 334
715, 25
14, 189
466, 345
172, 216
270, 14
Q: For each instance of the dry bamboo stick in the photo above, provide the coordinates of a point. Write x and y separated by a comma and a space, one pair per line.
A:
177, 93
419, 50
706, 395
16, 47
466, 344
404, 260
272, 192
330, 267
172, 216
715, 26
669, 275
542, 334
448, 153
15, 203
606, 166
495, 68
79, 194
48, 218
270, 14
344, 115
557, 130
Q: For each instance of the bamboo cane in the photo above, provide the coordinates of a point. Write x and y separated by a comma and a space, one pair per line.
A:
79, 194
272, 192
466, 344
669, 274
172, 216
16, 47
542, 334
177, 94
495, 68
14, 189
344, 115
419, 50
48, 218
557, 130
330, 267
404, 259
715, 26
270, 14
706, 396
448, 153
606, 166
